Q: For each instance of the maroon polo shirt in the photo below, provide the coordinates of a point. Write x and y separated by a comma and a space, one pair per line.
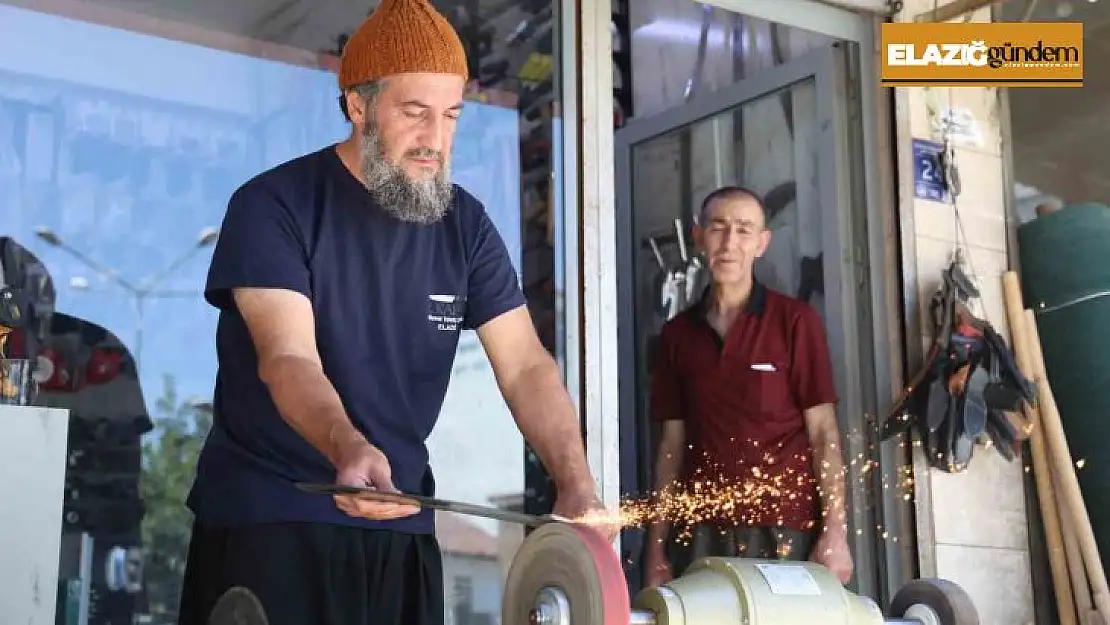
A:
742, 400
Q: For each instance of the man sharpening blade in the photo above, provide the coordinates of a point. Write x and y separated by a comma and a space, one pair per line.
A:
343, 279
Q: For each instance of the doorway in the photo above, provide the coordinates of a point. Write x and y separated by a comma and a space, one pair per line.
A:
784, 132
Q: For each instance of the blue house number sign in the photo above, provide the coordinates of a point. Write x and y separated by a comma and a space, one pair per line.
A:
928, 171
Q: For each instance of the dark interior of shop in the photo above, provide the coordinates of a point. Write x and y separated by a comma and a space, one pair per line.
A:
1060, 135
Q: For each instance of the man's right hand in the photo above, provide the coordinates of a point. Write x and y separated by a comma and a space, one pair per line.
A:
657, 569
360, 464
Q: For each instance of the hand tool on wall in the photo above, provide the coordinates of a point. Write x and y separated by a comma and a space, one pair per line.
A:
670, 287
969, 387
692, 267
675, 286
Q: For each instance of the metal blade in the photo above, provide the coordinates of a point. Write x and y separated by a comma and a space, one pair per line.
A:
432, 503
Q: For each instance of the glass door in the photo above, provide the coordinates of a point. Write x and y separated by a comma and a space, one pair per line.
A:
783, 133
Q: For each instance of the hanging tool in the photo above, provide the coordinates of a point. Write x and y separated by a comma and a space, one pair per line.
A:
969, 388
678, 285
693, 274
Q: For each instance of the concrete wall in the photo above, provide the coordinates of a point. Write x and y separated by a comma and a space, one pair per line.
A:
972, 526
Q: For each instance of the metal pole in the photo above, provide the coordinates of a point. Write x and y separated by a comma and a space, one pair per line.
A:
140, 310
598, 252
85, 574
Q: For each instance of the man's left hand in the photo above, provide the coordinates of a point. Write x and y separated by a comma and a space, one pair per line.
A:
582, 505
831, 551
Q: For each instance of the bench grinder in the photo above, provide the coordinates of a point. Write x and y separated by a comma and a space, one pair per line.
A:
566, 574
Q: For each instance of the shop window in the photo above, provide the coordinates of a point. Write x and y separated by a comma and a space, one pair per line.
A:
123, 132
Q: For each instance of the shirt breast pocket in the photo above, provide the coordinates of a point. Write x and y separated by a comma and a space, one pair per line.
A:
437, 332
767, 383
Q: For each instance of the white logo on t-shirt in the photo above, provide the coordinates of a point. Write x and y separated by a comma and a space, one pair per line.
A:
446, 312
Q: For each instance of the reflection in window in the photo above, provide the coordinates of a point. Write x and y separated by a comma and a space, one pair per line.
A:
122, 135
694, 49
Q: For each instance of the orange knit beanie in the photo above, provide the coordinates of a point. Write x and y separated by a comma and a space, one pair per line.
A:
400, 37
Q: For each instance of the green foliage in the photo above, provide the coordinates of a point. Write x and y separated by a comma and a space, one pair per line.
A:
169, 462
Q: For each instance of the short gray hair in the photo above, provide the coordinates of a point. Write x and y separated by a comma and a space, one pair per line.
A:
730, 192
368, 91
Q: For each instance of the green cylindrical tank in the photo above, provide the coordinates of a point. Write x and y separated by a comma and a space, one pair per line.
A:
1065, 270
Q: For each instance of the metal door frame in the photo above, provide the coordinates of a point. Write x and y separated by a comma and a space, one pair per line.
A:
827, 68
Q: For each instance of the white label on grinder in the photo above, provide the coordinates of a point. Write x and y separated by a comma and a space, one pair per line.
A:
789, 579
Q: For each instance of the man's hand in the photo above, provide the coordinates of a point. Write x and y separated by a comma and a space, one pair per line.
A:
581, 505
831, 551
362, 465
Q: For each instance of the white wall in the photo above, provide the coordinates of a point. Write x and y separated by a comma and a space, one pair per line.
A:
32, 480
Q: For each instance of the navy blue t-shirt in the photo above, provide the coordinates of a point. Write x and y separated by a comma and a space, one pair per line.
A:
390, 298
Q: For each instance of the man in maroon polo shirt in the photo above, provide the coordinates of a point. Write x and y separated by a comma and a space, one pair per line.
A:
744, 389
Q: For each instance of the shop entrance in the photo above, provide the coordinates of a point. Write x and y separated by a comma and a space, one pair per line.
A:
783, 132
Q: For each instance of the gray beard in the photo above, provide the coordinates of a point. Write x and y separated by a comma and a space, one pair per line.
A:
423, 202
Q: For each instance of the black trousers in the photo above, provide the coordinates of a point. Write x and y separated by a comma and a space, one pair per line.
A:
766, 543
314, 574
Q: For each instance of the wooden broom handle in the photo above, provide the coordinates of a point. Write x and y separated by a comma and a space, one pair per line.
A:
1042, 470
1078, 519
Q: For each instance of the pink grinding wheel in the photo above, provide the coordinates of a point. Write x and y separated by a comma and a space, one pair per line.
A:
566, 574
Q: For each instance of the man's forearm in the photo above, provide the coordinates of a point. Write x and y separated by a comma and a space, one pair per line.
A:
828, 466
547, 419
309, 403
